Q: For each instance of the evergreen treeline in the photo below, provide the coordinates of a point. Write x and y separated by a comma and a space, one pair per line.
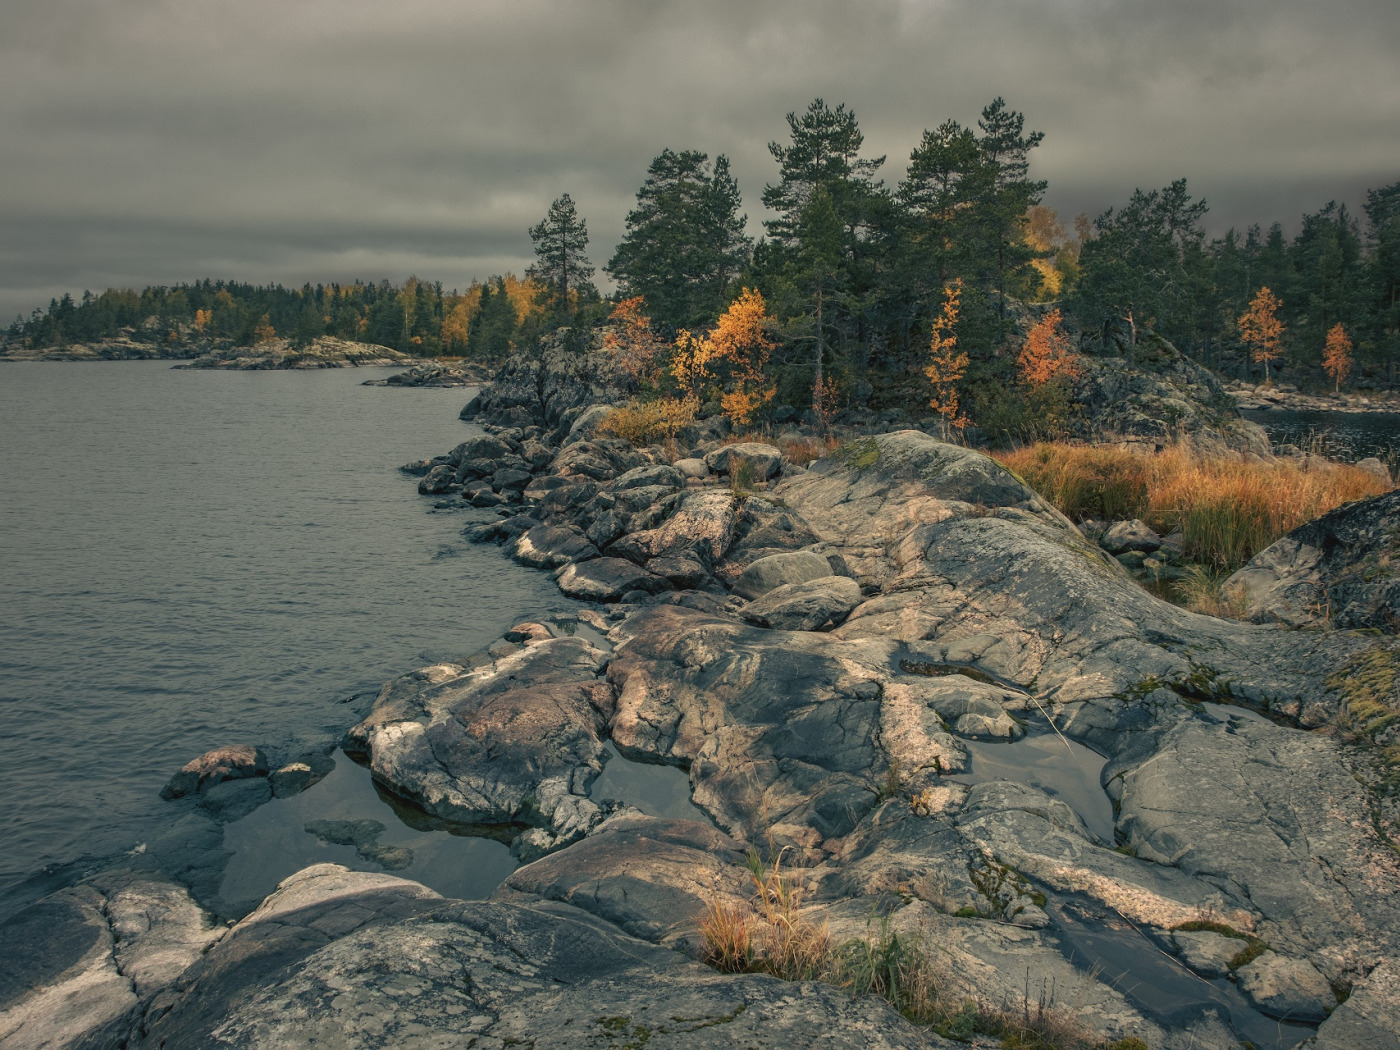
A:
854, 270
416, 318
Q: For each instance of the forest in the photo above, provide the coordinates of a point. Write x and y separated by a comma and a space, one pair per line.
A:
856, 276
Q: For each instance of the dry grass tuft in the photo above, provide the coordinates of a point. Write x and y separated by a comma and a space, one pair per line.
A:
1228, 509
807, 450
772, 936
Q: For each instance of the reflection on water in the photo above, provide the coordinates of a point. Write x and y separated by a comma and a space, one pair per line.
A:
658, 791
1042, 759
1100, 940
273, 842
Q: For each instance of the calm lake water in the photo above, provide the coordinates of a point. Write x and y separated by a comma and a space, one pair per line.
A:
192, 559
1348, 435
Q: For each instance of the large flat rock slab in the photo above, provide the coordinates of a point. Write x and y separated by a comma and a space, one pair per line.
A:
365, 962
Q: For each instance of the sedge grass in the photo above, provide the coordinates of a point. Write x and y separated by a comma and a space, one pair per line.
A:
1228, 509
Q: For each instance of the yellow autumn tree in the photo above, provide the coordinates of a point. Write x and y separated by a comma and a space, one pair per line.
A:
730, 359
525, 297
202, 319
947, 364
1047, 354
1336, 355
457, 314
1261, 330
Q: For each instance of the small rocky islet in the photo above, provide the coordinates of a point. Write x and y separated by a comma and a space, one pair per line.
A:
823, 650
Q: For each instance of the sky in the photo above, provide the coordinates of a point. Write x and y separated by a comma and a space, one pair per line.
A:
158, 141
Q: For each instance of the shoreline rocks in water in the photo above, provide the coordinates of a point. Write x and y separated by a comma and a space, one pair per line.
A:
1264, 397
322, 352
436, 374
823, 651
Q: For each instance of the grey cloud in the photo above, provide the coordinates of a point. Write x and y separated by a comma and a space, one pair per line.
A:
160, 140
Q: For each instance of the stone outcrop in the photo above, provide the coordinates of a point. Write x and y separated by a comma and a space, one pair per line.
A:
368, 961
1342, 569
1150, 393
322, 352
835, 662
551, 387
78, 968
435, 374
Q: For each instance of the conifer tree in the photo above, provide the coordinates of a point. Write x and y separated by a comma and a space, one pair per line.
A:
685, 242
561, 264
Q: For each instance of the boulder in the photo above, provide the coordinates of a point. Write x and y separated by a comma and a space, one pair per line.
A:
585, 425
1286, 988
775, 570
438, 480
607, 580
1207, 953
692, 468
703, 523
649, 475
1123, 536
514, 742
548, 547
764, 461
811, 606
1343, 569
233, 762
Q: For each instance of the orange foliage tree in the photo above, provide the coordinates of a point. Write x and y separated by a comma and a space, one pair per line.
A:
1047, 354
1336, 355
202, 319
633, 343
263, 332
948, 363
1261, 329
731, 358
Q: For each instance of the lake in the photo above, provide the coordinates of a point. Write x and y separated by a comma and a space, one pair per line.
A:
1343, 435
200, 558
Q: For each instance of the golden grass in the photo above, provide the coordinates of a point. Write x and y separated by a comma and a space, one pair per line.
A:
772, 936
1228, 509
807, 450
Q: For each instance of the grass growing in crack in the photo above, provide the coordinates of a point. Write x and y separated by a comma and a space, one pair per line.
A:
771, 935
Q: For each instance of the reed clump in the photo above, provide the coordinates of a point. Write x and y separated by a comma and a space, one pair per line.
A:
1227, 508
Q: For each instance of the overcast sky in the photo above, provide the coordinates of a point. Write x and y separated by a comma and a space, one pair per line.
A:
158, 141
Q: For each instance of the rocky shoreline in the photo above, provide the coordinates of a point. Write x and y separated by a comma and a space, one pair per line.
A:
1284, 397
829, 651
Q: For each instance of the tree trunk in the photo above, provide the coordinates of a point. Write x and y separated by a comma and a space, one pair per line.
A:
817, 364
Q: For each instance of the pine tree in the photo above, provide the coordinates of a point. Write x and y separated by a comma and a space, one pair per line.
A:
685, 242
561, 264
